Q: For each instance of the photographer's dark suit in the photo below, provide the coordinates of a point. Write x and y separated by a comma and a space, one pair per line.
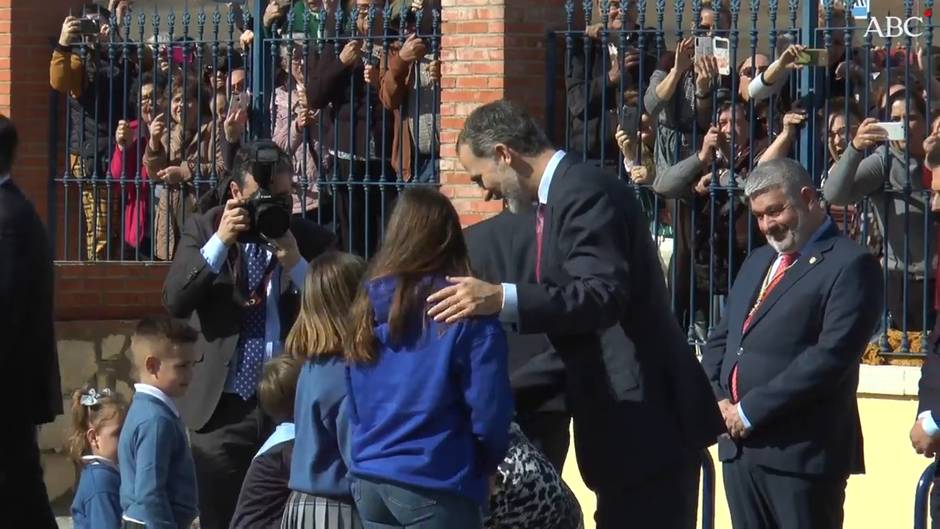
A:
502, 248
226, 429
27, 355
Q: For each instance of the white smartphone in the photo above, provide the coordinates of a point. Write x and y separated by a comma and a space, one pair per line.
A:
721, 47
895, 129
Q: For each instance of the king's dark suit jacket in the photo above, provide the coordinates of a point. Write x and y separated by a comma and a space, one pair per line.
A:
636, 392
28, 353
798, 362
215, 303
502, 249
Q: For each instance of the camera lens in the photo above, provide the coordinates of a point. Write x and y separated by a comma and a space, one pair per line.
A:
272, 220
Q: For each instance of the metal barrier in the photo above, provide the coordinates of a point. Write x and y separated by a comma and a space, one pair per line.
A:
207, 85
922, 496
708, 491
619, 74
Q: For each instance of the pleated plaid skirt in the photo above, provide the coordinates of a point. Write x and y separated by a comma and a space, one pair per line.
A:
304, 511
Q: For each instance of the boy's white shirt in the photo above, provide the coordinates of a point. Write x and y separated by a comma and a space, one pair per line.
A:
157, 393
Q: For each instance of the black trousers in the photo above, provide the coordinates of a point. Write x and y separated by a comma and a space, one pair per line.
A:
549, 432
22, 489
222, 452
668, 500
761, 498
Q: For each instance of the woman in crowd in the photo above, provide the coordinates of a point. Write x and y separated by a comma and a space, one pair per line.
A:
430, 403
181, 156
131, 139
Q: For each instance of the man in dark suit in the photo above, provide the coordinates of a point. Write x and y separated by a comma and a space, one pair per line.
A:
784, 361
502, 248
243, 293
637, 395
28, 349
925, 434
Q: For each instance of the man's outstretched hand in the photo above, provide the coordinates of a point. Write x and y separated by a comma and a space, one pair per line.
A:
466, 297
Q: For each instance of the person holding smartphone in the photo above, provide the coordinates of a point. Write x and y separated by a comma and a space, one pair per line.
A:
857, 176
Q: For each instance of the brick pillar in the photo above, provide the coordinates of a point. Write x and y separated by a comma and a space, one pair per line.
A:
491, 49
27, 31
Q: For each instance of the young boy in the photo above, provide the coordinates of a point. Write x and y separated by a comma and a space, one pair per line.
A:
265, 489
158, 480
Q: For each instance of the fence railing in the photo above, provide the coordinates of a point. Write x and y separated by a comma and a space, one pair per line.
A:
156, 104
631, 105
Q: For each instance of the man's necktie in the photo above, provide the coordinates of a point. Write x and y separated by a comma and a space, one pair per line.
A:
251, 340
539, 226
786, 261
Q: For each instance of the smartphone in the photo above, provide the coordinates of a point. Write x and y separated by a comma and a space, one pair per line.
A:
895, 129
90, 26
239, 101
721, 47
813, 57
703, 47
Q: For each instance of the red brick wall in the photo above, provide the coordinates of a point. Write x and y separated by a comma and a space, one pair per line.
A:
491, 49
472, 52
113, 291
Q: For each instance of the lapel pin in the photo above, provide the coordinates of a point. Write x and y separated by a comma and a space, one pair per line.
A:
812, 260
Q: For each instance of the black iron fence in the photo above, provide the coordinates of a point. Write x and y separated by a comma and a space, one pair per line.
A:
649, 104
155, 106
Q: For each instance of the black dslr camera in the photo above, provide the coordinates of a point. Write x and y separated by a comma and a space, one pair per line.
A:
269, 214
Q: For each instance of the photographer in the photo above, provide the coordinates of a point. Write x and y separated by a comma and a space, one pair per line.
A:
238, 272
82, 70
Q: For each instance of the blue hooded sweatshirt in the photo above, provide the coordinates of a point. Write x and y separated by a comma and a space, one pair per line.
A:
434, 409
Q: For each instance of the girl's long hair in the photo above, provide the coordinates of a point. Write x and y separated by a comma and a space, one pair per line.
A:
329, 289
98, 407
423, 238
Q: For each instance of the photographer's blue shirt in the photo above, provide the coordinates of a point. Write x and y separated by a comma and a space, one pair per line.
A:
214, 252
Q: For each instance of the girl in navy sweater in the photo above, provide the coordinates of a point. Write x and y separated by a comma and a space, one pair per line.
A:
319, 481
97, 417
430, 403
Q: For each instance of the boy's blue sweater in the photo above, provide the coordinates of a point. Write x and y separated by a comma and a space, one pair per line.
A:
321, 426
158, 479
97, 502
434, 409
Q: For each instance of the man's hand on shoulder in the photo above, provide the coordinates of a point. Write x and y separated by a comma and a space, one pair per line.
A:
466, 297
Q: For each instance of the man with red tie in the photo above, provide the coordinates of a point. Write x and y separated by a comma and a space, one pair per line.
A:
640, 402
784, 360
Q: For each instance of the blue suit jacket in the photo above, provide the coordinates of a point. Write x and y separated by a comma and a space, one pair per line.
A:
798, 361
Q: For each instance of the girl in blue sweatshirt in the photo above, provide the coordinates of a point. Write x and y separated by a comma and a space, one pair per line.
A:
320, 494
430, 404
97, 417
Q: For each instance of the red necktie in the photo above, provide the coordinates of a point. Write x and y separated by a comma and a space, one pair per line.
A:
786, 261
539, 224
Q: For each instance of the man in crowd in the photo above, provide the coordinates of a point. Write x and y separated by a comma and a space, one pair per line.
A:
784, 361
28, 351
242, 290
600, 297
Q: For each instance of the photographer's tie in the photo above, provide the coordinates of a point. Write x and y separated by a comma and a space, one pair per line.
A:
251, 340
